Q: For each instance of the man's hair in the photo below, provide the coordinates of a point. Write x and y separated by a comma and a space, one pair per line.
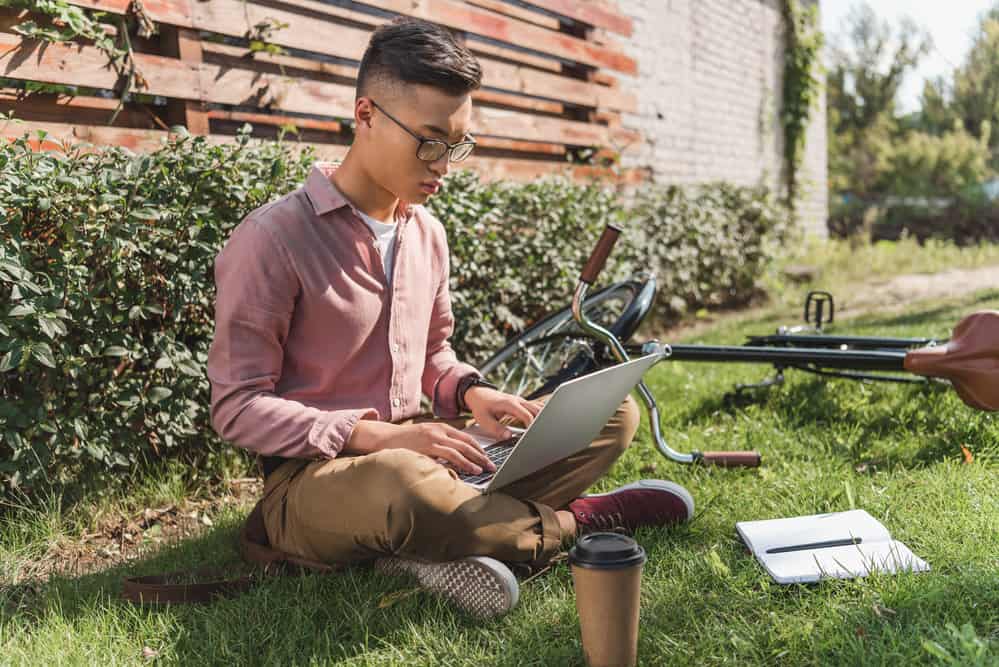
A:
414, 51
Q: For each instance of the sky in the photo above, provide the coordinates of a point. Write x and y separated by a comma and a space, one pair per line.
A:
950, 22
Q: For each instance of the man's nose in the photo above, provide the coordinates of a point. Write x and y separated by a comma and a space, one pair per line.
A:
440, 166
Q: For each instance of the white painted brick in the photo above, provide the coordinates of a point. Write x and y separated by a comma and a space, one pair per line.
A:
712, 69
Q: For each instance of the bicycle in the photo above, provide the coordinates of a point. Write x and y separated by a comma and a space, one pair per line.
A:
594, 332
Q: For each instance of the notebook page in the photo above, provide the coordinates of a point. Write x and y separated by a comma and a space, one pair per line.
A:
771, 533
841, 562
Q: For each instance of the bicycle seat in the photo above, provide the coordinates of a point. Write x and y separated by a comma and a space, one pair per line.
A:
970, 360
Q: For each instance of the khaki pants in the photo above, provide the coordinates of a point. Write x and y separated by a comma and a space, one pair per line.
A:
398, 502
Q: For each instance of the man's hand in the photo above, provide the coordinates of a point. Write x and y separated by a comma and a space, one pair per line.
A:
435, 440
488, 406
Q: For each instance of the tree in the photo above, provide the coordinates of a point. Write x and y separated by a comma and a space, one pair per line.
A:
869, 61
972, 97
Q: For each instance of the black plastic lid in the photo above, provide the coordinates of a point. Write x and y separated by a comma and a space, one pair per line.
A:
606, 551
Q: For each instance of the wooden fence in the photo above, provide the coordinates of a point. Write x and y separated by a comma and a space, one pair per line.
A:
549, 85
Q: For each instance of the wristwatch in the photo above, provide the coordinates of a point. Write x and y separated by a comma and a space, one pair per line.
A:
467, 383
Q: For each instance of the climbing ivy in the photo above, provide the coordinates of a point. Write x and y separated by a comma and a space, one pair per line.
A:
803, 43
67, 23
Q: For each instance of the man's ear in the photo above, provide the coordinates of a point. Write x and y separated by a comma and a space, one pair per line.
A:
363, 111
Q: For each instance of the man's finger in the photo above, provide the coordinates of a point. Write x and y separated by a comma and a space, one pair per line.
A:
533, 406
495, 428
458, 437
476, 455
447, 451
458, 434
515, 408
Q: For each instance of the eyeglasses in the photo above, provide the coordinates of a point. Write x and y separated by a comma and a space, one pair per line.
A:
431, 150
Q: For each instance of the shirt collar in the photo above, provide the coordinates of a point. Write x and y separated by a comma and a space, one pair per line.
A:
326, 197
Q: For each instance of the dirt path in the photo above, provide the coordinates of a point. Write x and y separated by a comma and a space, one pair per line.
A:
886, 295
902, 291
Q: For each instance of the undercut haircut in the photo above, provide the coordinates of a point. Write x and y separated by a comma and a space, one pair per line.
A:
413, 51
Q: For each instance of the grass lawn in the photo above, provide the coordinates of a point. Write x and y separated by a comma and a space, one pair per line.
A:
828, 445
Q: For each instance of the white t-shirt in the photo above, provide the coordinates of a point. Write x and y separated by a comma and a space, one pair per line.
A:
385, 234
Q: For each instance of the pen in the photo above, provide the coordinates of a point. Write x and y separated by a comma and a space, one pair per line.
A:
816, 545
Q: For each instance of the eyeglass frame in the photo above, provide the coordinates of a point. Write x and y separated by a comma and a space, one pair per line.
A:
426, 140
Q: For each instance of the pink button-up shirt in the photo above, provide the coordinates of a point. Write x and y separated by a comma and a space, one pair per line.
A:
308, 338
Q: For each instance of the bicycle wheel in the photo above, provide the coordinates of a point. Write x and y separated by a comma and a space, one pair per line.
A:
543, 349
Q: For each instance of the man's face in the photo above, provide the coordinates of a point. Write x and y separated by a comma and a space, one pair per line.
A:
390, 151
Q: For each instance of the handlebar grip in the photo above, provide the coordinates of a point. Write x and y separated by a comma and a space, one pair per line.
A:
749, 459
598, 257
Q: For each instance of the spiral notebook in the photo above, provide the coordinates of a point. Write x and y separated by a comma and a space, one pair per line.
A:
840, 545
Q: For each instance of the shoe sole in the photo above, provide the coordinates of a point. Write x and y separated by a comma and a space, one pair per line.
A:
481, 586
658, 484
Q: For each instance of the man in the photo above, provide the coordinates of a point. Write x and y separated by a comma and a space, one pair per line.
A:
333, 314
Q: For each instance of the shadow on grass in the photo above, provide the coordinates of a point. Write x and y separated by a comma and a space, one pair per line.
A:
282, 620
832, 405
934, 317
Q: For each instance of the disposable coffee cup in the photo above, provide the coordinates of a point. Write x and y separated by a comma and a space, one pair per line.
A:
607, 576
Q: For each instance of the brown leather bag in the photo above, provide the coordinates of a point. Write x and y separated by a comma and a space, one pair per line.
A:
254, 547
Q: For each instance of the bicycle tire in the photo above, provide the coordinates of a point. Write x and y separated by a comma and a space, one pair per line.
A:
634, 299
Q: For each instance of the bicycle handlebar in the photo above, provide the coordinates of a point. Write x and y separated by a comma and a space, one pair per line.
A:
598, 257
736, 459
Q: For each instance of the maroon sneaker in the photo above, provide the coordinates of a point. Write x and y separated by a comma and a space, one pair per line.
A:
647, 502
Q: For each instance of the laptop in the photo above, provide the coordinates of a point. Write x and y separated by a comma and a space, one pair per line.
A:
573, 416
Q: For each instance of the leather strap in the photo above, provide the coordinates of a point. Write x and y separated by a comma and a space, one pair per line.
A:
254, 547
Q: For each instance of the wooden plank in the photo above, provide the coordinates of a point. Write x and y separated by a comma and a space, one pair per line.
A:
229, 54
454, 14
589, 12
490, 169
87, 66
334, 126
228, 19
522, 146
608, 118
174, 12
517, 101
552, 86
479, 48
605, 79
84, 110
501, 7
134, 139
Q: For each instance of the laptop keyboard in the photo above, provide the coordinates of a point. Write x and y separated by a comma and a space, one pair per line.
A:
498, 453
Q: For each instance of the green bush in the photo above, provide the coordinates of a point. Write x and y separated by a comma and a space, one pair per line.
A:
517, 250
707, 246
967, 218
106, 292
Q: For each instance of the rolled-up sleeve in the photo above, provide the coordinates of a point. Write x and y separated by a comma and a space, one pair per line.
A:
442, 371
256, 294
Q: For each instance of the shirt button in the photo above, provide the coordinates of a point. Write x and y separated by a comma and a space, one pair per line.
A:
395, 347
395, 402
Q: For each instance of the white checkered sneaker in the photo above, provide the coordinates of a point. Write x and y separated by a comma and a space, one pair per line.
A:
481, 586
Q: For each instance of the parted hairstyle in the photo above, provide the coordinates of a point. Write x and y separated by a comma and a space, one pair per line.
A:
411, 50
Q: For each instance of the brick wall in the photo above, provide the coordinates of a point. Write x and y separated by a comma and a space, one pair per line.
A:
709, 85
